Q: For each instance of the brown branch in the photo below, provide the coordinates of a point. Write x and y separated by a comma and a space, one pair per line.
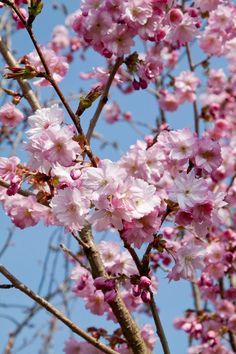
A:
54, 311
159, 328
49, 77
31, 312
128, 325
22, 192
195, 110
7, 242
104, 98
25, 86
196, 296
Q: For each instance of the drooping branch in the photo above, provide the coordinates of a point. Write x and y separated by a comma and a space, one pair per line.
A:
54, 311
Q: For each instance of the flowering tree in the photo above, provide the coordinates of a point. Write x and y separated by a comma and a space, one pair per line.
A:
168, 203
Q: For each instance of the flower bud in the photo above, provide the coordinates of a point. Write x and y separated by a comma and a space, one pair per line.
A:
175, 16
145, 296
14, 186
145, 282
110, 295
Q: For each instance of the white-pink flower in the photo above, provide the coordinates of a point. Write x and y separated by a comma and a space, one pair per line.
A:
70, 208
188, 190
10, 115
8, 167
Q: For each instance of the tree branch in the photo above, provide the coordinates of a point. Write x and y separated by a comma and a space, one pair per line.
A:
128, 325
54, 311
25, 86
104, 98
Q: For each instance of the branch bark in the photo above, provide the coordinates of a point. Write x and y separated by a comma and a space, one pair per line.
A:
25, 86
54, 311
128, 325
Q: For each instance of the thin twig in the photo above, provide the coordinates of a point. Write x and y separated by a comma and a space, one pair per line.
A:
25, 86
104, 98
7, 242
195, 110
54, 311
159, 328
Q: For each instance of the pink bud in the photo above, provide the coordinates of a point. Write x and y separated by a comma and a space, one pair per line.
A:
75, 174
145, 296
136, 85
145, 282
14, 186
128, 116
110, 296
143, 84
175, 16
110, 284
136, 290
160, 34
192, 12
99, 283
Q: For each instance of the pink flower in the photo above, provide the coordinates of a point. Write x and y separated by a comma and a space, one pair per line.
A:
60, 38
186, 85
189, 190
70, 207
10, 115
189, 257
58, 66
208, 156
175, 16
211, 43
8, 167
169, 102
24, 212
141, 230
71, 346
44, 119
112, 112
59, 146
138, 11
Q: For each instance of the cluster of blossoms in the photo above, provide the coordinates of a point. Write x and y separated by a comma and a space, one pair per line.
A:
178, 176
130, 196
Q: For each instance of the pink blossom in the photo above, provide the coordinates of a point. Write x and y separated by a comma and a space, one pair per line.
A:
184, 32
186, 85
58, 65
44, 119
59, 146
208, 156
71, 346
60, 38
19, 23
189, 257
211, 43
112, 112
138, 11
70, 208
24, 212
169, 102
189, 190
206, 5
141, 230
175, 16
10, 115
8, 167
